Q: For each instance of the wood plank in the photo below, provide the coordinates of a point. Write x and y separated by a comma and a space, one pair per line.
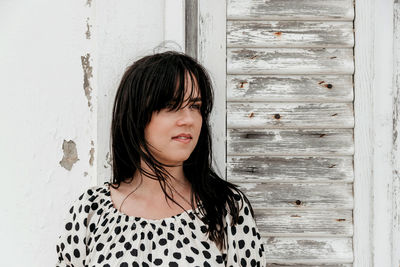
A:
311, 88
212, 55
291, 10
395, 158
290, 61
301, 142
290, 34
364, 87
327, 223
287, 250
289, 115
290, 169
299, 196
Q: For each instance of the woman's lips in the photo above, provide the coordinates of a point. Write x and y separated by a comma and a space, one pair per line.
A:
183, 138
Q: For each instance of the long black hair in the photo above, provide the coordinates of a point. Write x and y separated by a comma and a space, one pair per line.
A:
153, 83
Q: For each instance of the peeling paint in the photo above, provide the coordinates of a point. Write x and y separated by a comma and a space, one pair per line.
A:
70, 154
88, 26
108, 160
89, 3
87, 74
91, 152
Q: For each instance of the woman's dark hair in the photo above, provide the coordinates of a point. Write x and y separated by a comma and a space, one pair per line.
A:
153, 83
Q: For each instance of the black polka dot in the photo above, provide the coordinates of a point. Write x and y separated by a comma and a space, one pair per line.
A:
158, 262
119, 254
233, 230
100, 259
76, 253
99, 247
241, 244
177, 255
134, 252
195, 251
189, 259
68, 226
127, 246
205, 244
206, 254
117, 230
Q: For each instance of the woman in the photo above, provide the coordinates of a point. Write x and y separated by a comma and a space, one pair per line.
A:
166, 205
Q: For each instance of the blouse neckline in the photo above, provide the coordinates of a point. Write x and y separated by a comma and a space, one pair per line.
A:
190, 212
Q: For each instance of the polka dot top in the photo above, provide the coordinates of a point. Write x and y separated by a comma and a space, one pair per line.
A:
98, 234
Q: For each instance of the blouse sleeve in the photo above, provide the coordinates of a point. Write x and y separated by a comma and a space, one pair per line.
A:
244, 243
71, 244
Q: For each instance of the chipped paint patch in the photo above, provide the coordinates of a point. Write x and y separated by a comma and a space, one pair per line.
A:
70, 154
89, 3
85, 174
108, 160
87, 74
91, 152
88, 26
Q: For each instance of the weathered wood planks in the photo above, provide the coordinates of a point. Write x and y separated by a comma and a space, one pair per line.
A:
290, 123
290, 61
290, 34
310, 88
290, 10
327, 223
324, 196
312, 251
290, 169
290, 142
289, 115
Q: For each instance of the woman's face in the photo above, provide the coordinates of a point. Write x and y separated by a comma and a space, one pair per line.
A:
173, 135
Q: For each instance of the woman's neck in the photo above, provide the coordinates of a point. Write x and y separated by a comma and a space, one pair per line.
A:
151, 187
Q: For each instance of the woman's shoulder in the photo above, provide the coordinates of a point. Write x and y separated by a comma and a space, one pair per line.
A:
90, 198
240, 207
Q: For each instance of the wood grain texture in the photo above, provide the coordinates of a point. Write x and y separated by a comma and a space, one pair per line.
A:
290, 61
212, 55
326, 223
299, 196
363, 132
290, 10
276, 142
396, 138
310, 88
310, 251
289, 115
289, 169
290, 34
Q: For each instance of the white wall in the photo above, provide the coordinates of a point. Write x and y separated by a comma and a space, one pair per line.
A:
44, 102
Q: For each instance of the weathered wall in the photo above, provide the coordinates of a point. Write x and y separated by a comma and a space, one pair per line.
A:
60, 62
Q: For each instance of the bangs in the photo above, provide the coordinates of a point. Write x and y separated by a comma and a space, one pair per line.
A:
181, 88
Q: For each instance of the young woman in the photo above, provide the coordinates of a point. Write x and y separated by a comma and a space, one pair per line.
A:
166, 206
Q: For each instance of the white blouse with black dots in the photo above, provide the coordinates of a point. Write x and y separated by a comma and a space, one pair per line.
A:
97, 234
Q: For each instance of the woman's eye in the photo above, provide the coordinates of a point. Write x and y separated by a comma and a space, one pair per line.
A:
195, 106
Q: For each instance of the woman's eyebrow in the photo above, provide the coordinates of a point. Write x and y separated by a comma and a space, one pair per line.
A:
197, 99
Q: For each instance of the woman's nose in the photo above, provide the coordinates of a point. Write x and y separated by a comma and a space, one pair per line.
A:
186, 116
